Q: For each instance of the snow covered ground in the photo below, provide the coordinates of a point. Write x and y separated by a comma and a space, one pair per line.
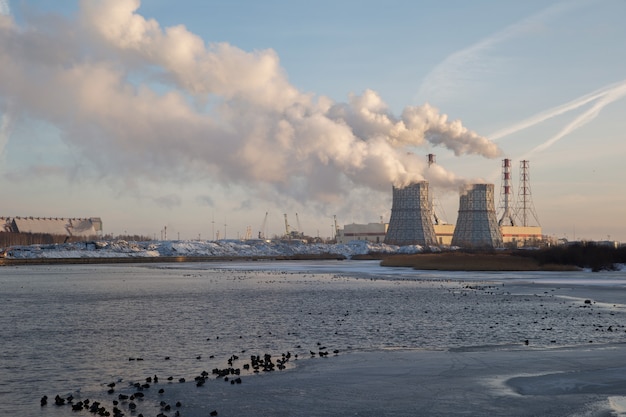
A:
123, 249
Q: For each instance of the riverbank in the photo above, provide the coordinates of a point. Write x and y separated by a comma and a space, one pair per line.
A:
166, 259
461, 261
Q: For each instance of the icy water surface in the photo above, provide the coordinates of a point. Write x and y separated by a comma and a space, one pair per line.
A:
76, 328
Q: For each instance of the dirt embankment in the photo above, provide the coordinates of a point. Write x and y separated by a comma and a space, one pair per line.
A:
459, 261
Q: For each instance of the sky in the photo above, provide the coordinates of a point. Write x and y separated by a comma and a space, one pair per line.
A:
191, 118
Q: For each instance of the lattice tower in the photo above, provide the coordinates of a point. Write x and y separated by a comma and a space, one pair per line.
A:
525, 206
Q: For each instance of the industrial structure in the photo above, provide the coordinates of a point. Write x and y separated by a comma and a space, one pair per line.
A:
515, 219
72, 227
443, 231
506, 197
411, 218
371, 232
476, 224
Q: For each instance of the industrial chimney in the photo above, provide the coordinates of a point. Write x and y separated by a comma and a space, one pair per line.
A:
410, 222
477, 225
506, 201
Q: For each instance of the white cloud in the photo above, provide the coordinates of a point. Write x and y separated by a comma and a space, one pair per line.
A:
91, 78
4, 8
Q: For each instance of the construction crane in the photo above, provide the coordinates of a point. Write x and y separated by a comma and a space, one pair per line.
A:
262, 231
298, 222
286, 225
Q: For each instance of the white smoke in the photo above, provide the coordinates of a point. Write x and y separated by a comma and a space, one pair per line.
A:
5, 128
226, 114
4, 8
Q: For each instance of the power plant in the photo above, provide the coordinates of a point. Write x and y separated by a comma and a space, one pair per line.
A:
411, 217
413, 221
476, 225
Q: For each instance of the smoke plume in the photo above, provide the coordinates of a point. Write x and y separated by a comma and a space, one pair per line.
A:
139, 100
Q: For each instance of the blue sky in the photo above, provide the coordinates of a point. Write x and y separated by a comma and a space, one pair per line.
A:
197, 114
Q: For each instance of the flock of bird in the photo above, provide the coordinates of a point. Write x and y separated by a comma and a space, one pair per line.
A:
543, 315
129, 402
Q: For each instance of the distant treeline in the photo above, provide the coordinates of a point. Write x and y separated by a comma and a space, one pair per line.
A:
590, 255
13, 239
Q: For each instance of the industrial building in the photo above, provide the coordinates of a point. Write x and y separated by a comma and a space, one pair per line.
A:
371, 232
72, 227
444, 233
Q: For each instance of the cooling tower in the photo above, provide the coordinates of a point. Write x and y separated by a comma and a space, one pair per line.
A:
410, 222
477, 225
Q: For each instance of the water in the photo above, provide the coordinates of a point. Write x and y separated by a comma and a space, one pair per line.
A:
75, 328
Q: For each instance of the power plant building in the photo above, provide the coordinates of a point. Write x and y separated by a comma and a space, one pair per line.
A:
477, 225
521, 235
411, 217
444, 233
371, 232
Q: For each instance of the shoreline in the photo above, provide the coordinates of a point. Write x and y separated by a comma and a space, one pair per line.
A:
461, 261
163, 259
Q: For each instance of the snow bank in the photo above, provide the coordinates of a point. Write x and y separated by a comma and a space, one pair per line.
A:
191, 248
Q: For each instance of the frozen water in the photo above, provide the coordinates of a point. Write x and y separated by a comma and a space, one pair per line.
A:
409, 342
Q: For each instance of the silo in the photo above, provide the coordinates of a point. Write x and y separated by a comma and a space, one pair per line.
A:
477, 225
410, 222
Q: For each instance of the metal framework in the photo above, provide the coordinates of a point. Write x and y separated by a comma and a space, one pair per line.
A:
411, 218
477, 225
525, 206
